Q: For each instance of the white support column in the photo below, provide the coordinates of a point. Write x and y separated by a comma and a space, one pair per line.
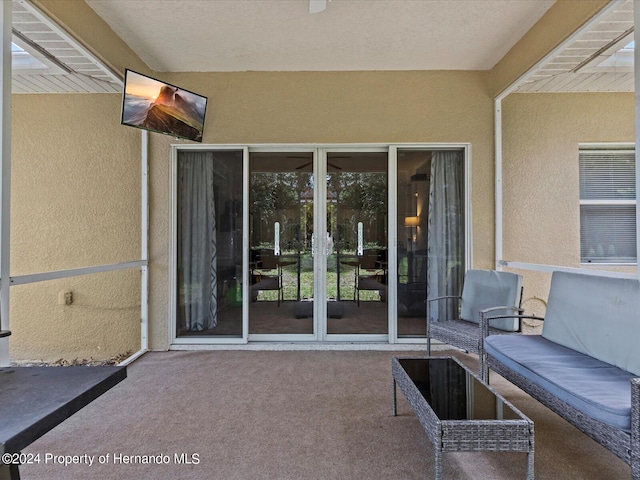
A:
5, 181
497, 119
392, 250
636, 71
320, 236
144, 241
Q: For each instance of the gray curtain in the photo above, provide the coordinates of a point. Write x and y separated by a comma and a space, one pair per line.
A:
197, 240
445, 231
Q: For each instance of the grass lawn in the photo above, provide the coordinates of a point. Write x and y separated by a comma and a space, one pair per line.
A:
290, 282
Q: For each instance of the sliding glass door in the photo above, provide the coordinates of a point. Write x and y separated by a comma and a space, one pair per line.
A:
356, 268
293, 264
281, 244
315, 244
431, 232
207, 287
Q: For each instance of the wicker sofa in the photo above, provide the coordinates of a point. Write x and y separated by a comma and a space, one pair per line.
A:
585, 366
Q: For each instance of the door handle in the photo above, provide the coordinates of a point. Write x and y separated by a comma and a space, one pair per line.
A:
276, 238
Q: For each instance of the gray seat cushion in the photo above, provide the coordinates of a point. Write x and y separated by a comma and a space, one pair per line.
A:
600, 390
489, 288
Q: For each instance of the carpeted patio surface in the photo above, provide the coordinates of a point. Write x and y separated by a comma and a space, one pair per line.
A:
290, 415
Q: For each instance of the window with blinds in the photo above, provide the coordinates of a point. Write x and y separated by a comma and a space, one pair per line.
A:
607, 206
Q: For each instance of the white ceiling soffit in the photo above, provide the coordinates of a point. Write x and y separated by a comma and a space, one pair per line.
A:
587, 64
66, 66
282, 35
236, 35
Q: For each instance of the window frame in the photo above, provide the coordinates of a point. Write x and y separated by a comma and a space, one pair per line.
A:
611, 148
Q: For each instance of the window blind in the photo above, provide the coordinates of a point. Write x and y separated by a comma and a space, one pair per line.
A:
607, 206
607, 175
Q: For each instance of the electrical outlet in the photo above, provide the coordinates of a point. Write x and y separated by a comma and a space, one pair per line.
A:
65, 297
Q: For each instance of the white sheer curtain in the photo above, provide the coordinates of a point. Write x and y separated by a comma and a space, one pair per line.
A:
445, 242
197, 250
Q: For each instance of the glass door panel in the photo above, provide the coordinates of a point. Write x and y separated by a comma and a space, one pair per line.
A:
431, 232
281, 242
356, 272
209, 243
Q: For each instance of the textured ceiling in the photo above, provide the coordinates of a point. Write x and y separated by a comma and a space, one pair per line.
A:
281, 35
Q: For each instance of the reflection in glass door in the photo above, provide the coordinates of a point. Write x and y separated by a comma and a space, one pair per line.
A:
281, 243
431, 233
208, 243
285, 249
356, 268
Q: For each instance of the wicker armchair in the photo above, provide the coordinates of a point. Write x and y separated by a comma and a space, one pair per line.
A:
371, 273
266, 274
483, 291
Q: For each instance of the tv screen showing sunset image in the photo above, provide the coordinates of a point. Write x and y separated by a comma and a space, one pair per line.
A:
160, 107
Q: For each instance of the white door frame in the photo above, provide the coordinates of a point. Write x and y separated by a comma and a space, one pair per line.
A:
321, 201
173, 249
319, 152
285, 148
393, 223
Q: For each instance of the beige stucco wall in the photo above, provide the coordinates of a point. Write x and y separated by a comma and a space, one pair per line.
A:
72, 210
75, 203
541, 211
76, 174
330, 108
81, 206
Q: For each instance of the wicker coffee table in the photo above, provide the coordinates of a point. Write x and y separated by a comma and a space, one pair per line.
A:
459, 412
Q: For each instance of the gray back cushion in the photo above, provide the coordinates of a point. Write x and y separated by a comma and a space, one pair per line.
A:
595, 315
489, 288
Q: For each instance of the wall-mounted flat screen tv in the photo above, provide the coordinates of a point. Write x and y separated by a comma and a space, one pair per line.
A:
160, 107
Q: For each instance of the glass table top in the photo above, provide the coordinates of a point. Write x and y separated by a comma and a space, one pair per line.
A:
453, 392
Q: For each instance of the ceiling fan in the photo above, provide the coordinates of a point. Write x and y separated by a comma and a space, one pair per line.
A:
317, 6
305, 165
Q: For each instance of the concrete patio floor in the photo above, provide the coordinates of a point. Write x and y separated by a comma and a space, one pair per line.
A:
286, 415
